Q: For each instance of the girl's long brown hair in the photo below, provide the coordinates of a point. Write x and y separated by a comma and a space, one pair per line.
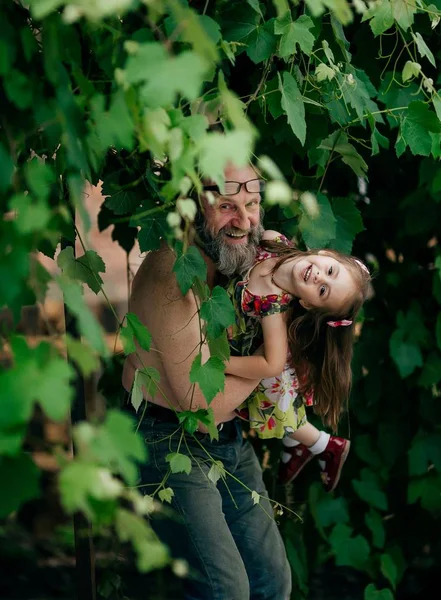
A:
320, 354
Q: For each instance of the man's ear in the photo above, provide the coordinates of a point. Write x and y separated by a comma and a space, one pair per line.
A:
305, 304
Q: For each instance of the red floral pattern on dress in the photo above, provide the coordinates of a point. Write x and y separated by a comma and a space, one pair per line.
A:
262, 306
275, 408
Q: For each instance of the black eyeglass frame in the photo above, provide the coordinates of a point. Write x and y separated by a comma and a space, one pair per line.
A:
215, 188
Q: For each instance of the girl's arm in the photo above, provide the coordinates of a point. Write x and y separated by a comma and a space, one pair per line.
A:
275, 340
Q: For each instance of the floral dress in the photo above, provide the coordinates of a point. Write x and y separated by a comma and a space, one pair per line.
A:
275, 408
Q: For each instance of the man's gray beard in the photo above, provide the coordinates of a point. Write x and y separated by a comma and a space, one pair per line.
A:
232, 259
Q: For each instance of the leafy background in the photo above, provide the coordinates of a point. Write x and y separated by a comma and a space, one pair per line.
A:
339, 103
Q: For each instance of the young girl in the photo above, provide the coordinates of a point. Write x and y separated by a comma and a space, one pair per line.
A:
306, 303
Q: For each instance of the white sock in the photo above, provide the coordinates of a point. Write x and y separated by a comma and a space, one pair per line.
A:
320, 444
289, 442
285, 457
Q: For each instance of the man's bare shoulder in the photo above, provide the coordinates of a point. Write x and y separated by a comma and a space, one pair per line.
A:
155, 283
156, 269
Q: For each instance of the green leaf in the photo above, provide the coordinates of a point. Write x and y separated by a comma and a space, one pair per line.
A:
121, 202
377, 140
144, 385
80, 483
82, 355
381, 17
38, 375
261, 43
142, 64
31, 216
292, 104
389, 569
219, 346
255, 5
374, 521
416, 125
55, 390
318, 231
217, 312
86, 268
349, 223
423, 49
332, 510
194, 126
191, 419
358, 91
153, 229
403, 12
87, 323
187, 267
322, 72
255, 497
22, 479
18, 89
247, 28
293, 33
217, 471
368, 488
407, 356
436, 99
181, 75
114, 444
338, 142
411, 69
139, 330
426, 490
166, 495
210, 376
198, 30
127, 340
39, 178
371, 593
151, 553
349, 551
179, 463
425, 451
216, 150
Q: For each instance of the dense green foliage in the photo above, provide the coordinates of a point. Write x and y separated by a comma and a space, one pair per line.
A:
339, 104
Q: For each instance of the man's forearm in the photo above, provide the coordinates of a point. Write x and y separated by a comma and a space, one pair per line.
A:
235, 393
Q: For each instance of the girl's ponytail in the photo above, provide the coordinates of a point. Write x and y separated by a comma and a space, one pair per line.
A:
321, 348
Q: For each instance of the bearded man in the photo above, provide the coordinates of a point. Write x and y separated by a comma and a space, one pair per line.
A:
232, 545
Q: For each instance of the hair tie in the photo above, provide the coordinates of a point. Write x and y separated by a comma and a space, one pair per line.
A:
343, 323
362, 265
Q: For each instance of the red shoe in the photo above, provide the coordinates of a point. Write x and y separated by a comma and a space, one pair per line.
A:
331, 461
300, 456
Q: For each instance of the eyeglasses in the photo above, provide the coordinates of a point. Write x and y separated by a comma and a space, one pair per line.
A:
231, 188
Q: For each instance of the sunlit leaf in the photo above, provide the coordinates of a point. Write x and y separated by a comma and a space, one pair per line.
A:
179, 463
210, 376
187, 267
292, 104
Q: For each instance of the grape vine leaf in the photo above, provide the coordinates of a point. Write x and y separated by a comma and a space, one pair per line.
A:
210, 376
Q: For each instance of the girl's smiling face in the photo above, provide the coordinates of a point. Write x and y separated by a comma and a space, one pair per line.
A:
322, 281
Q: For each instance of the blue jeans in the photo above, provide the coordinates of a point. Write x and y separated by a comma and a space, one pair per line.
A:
233, 546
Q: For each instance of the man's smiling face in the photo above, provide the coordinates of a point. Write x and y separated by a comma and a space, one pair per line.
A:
232, 228
236, 215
